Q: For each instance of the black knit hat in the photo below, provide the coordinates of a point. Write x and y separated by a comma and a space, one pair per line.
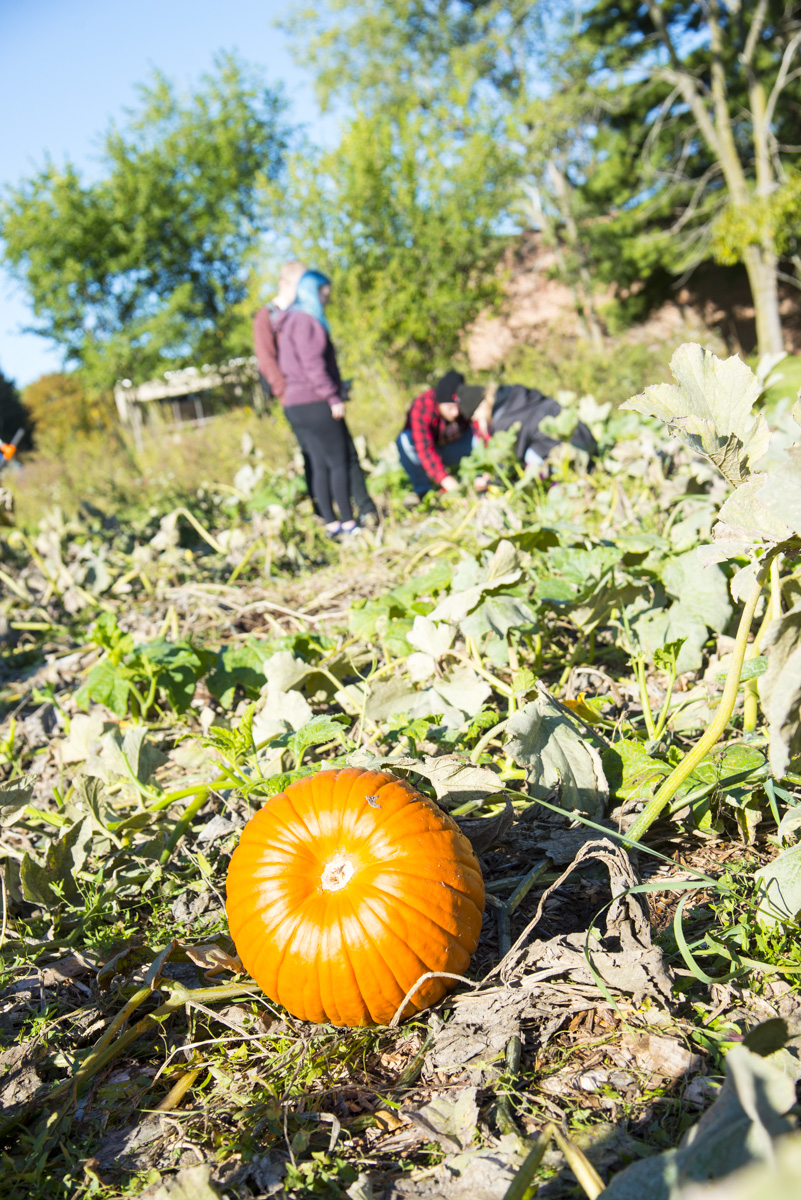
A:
448, 386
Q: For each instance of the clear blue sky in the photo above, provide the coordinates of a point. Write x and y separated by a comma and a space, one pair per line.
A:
69, 66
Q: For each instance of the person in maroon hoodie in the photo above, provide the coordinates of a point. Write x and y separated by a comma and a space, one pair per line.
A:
313, 398
273, 385
264, 343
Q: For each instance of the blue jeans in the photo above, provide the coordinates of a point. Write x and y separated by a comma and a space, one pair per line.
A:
451, 454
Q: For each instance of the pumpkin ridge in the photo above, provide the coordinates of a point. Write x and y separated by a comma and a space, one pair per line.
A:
412, 811
378, 951
413, 952
467, 893
258, 916
425, 879
313, 837
399, 903
427, 912
264, 945
323, 971
309, 976
347, 955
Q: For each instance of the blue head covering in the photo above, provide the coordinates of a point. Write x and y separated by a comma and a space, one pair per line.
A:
307, 298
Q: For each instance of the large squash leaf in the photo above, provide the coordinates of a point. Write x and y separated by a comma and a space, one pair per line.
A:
780, 690
545, 741
710, 409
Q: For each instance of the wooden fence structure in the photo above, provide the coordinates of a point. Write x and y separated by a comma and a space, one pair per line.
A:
191, 396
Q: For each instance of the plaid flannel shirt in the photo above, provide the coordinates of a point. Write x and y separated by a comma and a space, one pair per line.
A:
429, 429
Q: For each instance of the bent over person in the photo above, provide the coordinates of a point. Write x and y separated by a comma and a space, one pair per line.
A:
439, 433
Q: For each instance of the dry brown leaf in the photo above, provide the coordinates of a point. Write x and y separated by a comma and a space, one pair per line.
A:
212, 959
663, 1056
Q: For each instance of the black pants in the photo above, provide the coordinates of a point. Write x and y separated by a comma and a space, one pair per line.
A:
356, 482
325, 441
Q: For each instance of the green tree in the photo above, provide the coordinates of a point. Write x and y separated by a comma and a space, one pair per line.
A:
144, 269
701, 106
488, 65
404, 217
461, 53
649, 134
61, 410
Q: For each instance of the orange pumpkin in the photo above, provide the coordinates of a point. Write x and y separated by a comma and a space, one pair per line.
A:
345, 889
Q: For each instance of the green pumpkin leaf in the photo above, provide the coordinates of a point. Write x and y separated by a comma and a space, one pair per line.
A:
543, 739
779, 889
710, 409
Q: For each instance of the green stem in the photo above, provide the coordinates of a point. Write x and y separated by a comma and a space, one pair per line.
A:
665, 710
170, 797
773, 610
237, 571
486, 738
190, 811
750, 706
639, 668
54, 819
147, 703
577, 649
690, 761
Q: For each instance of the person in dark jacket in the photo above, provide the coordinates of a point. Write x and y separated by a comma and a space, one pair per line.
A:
274, 385
313, 398
439, 433
517, 404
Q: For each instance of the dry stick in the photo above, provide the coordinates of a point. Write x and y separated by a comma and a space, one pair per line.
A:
424, 979
518, 895
204, 533
579, 1164
5, 908
714, 732
177, 1092
279, 608
15, 588
588, 850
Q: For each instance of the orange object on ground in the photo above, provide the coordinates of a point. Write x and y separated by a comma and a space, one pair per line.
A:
347, 888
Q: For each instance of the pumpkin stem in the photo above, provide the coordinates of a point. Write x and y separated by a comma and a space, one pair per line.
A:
338, 871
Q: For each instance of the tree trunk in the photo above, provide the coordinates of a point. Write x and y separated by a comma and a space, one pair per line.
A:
762, 268
763, 265
760, 260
